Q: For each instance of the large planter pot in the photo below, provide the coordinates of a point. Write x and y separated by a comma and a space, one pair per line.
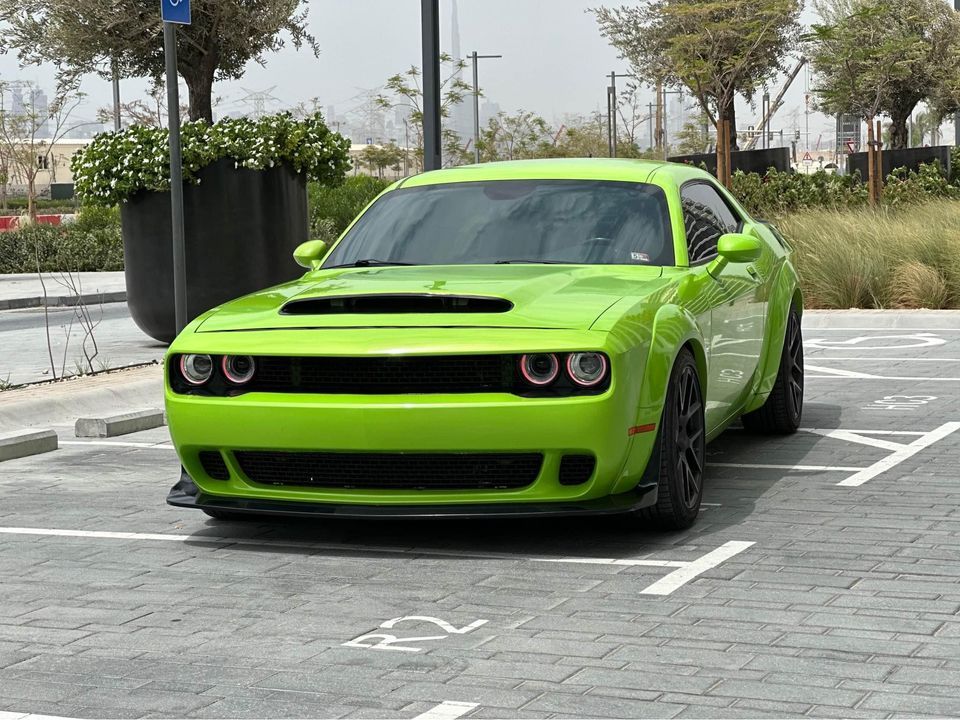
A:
910, 158
749, 161
241, 229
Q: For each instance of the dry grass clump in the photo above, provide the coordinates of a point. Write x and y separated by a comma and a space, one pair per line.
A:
915, 285
903, 258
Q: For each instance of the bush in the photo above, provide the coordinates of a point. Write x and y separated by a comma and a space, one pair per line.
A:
115, 166
906, 256
332, 209
92, 244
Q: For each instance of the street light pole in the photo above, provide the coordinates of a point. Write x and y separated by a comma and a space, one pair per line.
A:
476, 102
430, 31
612, 112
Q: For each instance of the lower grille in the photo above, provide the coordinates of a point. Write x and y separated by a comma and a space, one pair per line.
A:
213, 464
576, 469
409, 471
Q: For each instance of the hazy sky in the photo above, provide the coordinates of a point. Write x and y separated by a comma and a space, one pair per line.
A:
554, 58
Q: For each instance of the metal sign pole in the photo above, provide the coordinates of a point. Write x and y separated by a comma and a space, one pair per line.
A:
176, 177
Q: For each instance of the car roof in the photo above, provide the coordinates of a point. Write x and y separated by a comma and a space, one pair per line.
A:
617, 169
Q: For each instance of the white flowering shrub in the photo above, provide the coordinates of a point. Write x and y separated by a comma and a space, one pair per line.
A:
115, 166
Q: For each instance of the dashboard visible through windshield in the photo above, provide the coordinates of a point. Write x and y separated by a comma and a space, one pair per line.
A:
512, 221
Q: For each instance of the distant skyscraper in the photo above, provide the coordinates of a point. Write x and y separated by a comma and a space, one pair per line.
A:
461, 116
34, 107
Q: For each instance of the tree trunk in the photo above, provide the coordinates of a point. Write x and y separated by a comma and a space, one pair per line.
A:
32, 199
200, 89
729, 111
898, 130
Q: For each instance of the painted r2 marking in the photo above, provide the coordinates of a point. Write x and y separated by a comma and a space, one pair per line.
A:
900, 402
392, 642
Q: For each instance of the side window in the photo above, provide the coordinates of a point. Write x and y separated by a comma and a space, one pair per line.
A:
705, 218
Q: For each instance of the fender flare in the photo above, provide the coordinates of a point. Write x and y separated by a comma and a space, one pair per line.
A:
674, 328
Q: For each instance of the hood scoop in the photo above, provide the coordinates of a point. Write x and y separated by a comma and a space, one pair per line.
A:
394, 304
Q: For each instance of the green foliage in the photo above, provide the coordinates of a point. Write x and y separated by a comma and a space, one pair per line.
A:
875, 57
333, 208
515, 137
117, 165
92, 244
222, 38
906, 256
908, 187
772, 195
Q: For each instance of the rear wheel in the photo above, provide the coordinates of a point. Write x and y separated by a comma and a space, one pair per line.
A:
781, 413
679, 450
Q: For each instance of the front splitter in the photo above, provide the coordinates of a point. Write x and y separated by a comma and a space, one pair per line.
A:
186, 494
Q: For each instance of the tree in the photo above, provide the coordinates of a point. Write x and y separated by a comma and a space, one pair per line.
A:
25, 153
514, 137
403, 90
885, 57
581, 136
692, 137
95, 37
151, 112
380, 157
717, 50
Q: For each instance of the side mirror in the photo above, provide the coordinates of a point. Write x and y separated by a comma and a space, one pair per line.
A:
734, 248
310, 254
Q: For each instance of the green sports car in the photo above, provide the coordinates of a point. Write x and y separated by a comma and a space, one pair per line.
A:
519, 338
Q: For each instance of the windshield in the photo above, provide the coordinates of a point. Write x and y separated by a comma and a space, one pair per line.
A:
563, 221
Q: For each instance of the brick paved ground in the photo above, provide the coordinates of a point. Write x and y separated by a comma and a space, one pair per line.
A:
845, 605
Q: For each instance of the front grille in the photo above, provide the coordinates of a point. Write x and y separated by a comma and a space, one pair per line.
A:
385, 375
576, 469
395, 471
213, 464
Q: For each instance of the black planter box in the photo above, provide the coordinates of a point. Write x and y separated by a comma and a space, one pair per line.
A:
241, 229
910, 158
748, 161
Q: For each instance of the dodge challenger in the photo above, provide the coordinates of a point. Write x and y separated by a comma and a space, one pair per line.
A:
543, 337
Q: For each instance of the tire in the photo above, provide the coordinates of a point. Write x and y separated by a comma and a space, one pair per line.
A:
781, 413
679, 450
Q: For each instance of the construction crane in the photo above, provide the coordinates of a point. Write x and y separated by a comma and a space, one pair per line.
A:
775, 105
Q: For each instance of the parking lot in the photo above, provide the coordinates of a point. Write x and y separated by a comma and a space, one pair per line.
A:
821, 579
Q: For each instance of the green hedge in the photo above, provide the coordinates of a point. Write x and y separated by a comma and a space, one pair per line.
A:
91, 244
333, 208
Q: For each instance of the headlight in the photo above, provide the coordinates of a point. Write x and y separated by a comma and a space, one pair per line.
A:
238, 369
539, 369
587, 368
196, 369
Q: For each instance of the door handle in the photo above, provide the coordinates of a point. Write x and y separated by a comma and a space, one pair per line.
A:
753, 272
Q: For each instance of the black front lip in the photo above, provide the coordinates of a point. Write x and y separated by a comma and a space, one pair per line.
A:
186, 494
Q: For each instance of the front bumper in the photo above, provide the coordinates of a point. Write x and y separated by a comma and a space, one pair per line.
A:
186, 494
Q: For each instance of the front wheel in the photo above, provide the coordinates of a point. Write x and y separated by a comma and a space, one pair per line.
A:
781, 413
679, 450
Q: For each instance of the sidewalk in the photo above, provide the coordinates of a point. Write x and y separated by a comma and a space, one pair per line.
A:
25, 290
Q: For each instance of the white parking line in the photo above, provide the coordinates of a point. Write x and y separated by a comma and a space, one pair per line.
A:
225, 541
835, 374
678, 578
901, 453
796, 468
688, 569
447, 710
119, 443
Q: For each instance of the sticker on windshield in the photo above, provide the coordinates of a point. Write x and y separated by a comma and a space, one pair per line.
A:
639, 257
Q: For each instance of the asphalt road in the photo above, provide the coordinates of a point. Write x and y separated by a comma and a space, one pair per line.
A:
820, 581
23, 337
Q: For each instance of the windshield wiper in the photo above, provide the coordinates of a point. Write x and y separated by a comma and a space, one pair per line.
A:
531, 262
369, 262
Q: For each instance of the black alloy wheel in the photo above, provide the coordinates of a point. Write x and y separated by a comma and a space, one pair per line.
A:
679, 451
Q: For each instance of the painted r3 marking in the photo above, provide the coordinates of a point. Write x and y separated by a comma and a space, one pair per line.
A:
392, 642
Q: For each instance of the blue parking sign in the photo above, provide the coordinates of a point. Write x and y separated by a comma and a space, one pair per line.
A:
175, 11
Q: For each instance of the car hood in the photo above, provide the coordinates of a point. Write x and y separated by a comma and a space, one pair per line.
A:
520, 296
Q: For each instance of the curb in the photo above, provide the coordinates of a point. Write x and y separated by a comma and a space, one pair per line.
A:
23, 444
122, 424
64, 300
100, 395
